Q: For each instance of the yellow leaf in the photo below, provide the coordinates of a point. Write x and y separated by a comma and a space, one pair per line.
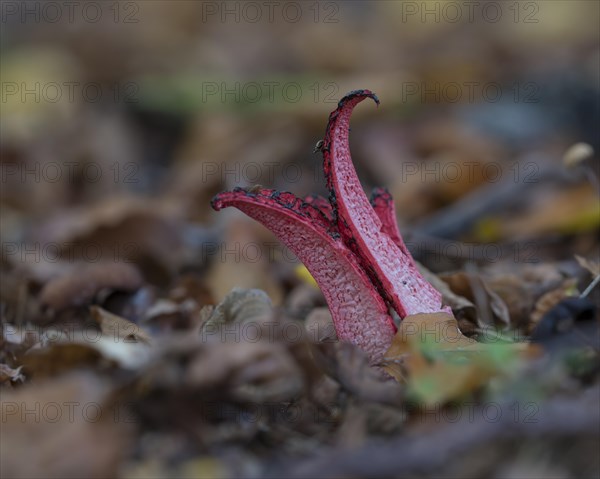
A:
305, 276
439, 363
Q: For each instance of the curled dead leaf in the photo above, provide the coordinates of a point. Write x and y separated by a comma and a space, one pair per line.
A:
463, 309
242, 305
518, 294
492, 311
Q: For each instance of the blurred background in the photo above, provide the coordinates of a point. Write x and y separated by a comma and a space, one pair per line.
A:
120, 120
167, 103
113, 107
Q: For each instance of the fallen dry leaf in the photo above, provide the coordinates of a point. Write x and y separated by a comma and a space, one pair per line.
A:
551, 299
62, 357
167, 315
118, 328
257, 371
439, 328
319, 325
463, 309
439, 363
80, 286
147, 233
239, 306
492, 310
518, 294
61, 427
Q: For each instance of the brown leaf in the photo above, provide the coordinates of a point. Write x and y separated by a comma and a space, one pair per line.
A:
463, 309
169, 315
551, 299
61, 357
319, 325
190, 286
518, 294
437, 382
118, 328
439, 328
473, 286
302, 300
241, 305
61, 428
80, 286
257, 371
146, 232
352, 369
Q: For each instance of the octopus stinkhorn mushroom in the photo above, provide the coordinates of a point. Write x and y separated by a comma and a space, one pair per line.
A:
350, 245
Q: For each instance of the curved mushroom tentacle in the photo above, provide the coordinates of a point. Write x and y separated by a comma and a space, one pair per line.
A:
383, 204
352, 247
359, 314
389, 267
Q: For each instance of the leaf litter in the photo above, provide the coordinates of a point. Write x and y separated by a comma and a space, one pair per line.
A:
153, 364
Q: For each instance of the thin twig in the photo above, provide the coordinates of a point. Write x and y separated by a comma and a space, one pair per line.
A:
591, 286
